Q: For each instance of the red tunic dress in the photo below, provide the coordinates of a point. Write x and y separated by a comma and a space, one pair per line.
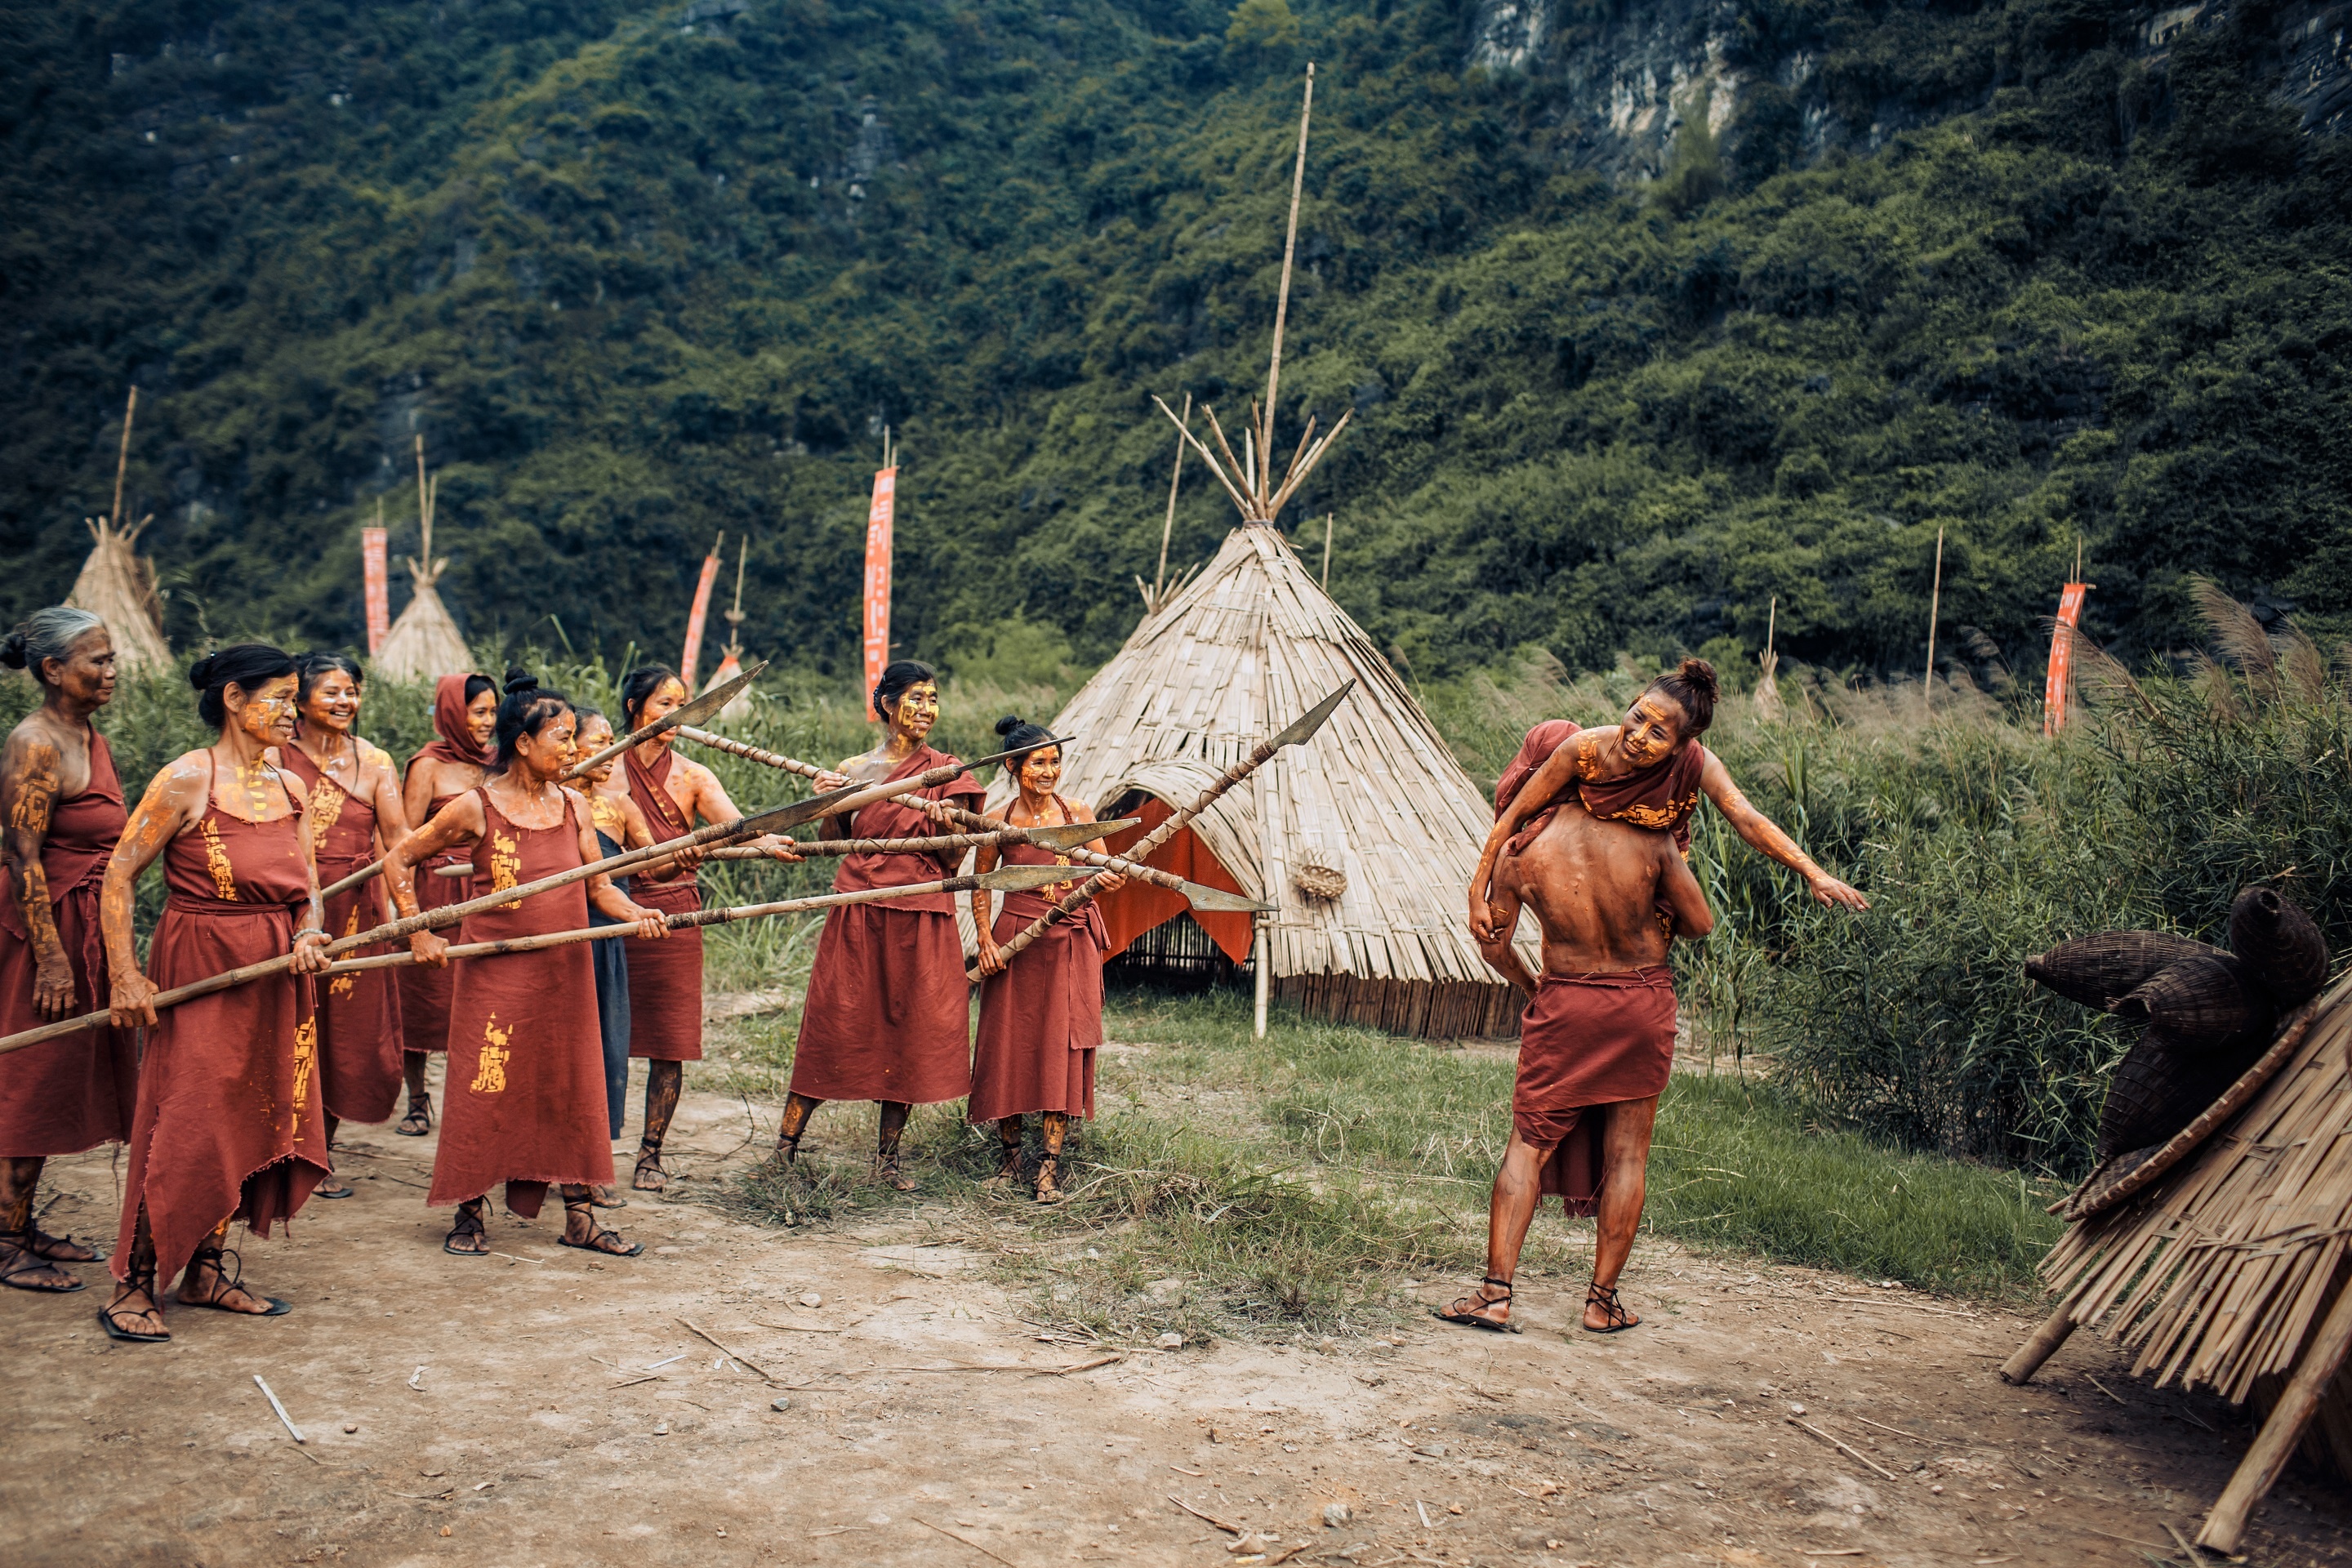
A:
666, 976
424, 993
1040, 1020
358, 1014
888, 1015
65, 1095
230, 1121
524, 1103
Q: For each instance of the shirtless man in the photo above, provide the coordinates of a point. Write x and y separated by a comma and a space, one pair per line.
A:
1595, 1046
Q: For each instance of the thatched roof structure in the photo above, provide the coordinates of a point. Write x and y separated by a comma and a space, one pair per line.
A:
738, 707
1365, 837
118, 585
423, 643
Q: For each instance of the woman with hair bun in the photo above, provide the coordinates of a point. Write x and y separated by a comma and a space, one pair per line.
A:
1041, 1018
465, 711
354, 813
62, 810
524, 1100
888, 1011
1649, 770
230, 1122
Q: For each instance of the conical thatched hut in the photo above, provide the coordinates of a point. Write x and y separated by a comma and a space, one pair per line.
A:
117, 586
1365, 837
423, 643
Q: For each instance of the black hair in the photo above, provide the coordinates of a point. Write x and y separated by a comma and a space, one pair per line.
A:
897, 676
45, 635
478, 684
1693, 688
1021, 736
641, 684
314, 668
583, 713
528, 708
244, 665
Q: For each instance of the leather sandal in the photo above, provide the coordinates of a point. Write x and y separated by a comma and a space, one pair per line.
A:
419, 1119
1049, 1190
1605, 1297
140, 1280
468, 1223
1466, 1310
598, 1238
23, 1268
223, 1285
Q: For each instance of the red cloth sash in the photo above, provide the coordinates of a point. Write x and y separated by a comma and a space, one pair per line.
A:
65, 1095
1589, 1041
1041, 1020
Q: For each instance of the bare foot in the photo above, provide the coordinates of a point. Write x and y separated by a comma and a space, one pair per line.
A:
605, 1196
887, 1172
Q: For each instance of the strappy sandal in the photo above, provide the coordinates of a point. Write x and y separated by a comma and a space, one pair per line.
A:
1473, 1319
1048, 1190
58, 1249
141, 1282
648, 1159
1009, 1172
223, 1285
470, 1224
419, 1119
23, 1257
340, 1190
1619, 1319
887, 1172
597, 1236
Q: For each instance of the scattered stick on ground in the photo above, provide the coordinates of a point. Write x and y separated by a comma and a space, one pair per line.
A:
1843, 1448
1896, 1430
291, 1430
724, 1350
967, 1540
1211, 1518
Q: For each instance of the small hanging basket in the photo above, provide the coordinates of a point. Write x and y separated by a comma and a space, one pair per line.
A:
1324, 882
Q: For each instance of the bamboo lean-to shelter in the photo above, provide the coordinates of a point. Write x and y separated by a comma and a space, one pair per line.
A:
423, 643
116, 584
2228, 1270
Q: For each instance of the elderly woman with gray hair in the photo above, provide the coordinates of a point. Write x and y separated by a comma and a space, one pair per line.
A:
61, 814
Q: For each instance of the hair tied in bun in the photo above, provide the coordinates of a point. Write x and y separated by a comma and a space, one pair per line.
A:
519, 680
12, 649
200, 674
1693, 688
1010, 722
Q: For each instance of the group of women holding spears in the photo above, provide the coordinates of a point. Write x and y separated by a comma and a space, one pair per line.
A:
229, 1101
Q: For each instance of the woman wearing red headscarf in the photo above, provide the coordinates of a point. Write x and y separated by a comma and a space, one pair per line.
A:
465, 711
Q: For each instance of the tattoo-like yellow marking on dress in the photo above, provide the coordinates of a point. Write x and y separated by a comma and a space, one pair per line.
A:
491, 1077
216, 860
506, 860
325, 809
306, 1061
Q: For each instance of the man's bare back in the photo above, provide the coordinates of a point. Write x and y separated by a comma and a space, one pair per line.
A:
1596, 888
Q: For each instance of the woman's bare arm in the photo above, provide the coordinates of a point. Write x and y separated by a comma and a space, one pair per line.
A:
1559, 770
174, 798
31, 780
1768, 838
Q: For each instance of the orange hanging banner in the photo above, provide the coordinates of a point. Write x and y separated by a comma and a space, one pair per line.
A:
379, 592
878, 579
698, 617
2062, 658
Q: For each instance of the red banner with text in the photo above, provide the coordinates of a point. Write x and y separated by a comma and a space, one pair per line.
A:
379, 591
2062, 658
879, 517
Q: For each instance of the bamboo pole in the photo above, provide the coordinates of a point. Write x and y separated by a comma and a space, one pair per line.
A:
1260, 963
1282, 299
122, 457
825, 847
1168, 527
1301, 730
2044, 1343
842, 802
1329, 518
1935, 604
2225, 1527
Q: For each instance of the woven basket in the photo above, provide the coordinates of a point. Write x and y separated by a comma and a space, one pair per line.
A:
2096, 969
1325, 882
2161, 1087
2201, 1005
2279, 944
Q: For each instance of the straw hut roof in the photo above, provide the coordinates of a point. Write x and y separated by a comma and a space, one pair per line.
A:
117, 586
423, 643
1365, 837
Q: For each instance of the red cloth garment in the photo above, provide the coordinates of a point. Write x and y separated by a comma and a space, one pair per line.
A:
666, 976
1041, 1020
358, 1014
423, 994
452, 740
1663, 796
888, 1012
1139, 906
230, 1120
64, 1096
524, 1102
1588, 1042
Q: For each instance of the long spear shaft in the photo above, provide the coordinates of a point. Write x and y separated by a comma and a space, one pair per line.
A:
774, 819
702, 707
1194, 892
1300, 730
1054, 838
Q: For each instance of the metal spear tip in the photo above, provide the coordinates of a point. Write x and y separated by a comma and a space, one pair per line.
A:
1028, 879
1072, 835
1303, 729
712, 700
1202, 898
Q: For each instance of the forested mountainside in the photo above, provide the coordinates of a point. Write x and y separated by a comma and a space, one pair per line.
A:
1651, 312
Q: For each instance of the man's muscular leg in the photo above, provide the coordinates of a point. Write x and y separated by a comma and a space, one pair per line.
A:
1624, 1180
1518, 1187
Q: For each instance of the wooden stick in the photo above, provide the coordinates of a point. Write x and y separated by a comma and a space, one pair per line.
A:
724, 1350
2225, 1527
1899, 1431
2044, 1343
1241, 471
1289, 251
1935, 604
122, 465
841, 846
1329, 518
1207, 457
288, 1421
1301, 730
967, 1540
1211, 898
1167, 528
1845, 1449
843, 801
1213, 1519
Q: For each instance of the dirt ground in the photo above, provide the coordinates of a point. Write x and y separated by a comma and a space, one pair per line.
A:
540, 1407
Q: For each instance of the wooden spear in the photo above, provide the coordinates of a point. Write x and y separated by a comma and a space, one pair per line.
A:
1203, 897
702, 707
1300, 731
1005, 879
851, 799
1059, 840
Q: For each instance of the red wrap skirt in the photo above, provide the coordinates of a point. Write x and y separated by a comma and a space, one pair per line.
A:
1587, 1042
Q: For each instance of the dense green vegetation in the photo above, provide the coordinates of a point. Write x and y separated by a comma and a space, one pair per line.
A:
642, 272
